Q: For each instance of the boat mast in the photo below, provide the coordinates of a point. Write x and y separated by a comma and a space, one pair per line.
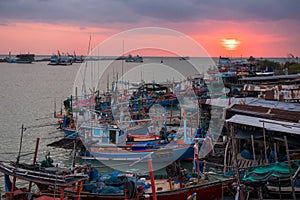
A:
17, 162
34, 159
122, 62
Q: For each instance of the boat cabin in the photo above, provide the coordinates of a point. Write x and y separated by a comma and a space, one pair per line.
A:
102, 134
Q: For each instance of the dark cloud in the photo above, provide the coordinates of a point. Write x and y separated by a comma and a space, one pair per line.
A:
109, 12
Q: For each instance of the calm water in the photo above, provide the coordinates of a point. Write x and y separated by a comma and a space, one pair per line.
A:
27, 94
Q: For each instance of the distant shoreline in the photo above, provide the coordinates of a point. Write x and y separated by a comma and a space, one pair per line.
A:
41, 58
232, 57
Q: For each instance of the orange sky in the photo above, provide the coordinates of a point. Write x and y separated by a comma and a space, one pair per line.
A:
261, 28
45, 39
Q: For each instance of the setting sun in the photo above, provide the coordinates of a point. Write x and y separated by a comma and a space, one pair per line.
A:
230, 43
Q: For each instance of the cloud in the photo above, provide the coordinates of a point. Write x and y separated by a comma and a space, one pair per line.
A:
4, 24
112, 12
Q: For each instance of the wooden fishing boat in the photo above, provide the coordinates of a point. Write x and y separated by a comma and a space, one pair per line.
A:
108, 143
20, 58
43, 177
65, 182
215, 187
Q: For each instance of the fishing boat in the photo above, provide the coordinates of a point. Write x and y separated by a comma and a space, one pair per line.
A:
214, 187
138, 104
109, 144
43, 177
20, 58
60, 59
54, 60
79, 184
131, 58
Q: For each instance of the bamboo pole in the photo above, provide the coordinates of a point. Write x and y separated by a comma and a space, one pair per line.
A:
225, 157
275, 152
234, 154
34, 158
54, 107
171, 112
180, 175
74, 152
17, 162
290, 168
61, 107
253, 150
265, 143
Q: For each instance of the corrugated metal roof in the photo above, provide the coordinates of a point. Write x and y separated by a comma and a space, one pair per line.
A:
271, 125
258, 88
265, 112
260, 78
229, 102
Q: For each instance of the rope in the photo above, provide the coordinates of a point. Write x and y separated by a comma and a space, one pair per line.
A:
42, 125
27, 154
16, 152
49, 138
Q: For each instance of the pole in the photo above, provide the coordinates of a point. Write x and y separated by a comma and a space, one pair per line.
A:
17, 162
61, 108
78, 190
122, 62
34, 158
165, 122
184, 126
76, 104
234, 156
54, 107
62, 193
290, 168
196, 155
275, 152
171, 112
71, 103
265, 144
180, 175
152, 177
89, 47
253, 150
74, 152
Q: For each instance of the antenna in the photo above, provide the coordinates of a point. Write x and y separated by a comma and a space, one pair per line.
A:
122, 60
89, 48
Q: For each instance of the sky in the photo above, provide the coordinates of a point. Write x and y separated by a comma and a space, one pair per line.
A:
259, 28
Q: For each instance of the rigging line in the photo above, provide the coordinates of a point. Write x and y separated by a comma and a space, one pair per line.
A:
83, 89
45, 117
48, 138
27, 154
42, 125
15, 152
56, 131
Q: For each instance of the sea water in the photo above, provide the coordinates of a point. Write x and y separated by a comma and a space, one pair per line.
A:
27, 95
